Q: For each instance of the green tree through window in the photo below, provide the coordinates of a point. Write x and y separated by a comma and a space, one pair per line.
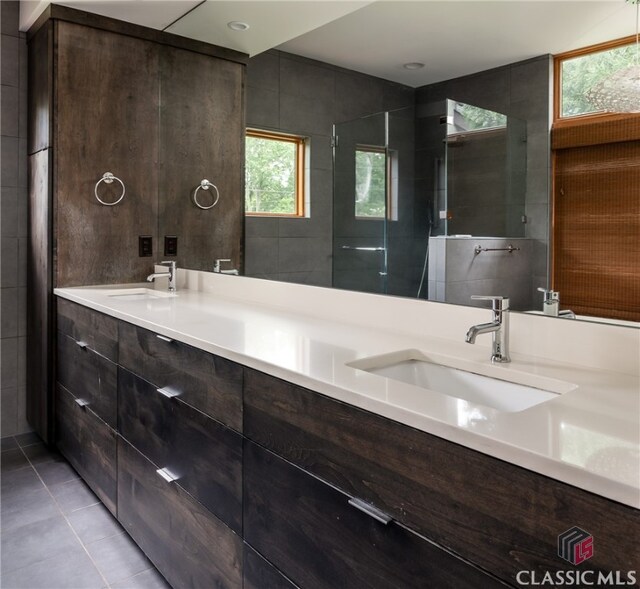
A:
273, 170
579, 74
370, 183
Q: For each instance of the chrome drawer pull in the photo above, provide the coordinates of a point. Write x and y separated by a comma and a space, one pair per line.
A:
82, 345
371, 511
81, 402
167, 475
170, 393
164, 338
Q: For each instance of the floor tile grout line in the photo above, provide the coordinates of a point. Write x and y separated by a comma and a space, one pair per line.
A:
93, 562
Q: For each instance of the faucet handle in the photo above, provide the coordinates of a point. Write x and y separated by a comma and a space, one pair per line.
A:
550, 296
499, 303
168, 263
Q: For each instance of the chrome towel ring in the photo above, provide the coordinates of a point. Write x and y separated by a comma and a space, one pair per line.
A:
108, 178
205, 185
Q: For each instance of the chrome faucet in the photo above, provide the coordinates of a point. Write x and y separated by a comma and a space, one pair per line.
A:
551, 304
171, 274
218, 270
499, 327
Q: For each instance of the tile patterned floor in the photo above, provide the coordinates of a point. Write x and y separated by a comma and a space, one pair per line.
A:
55, 533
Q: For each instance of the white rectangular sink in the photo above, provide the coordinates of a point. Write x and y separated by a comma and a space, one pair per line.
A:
139, 294
499, 387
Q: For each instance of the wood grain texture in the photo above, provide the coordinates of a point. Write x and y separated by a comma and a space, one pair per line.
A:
205, 455
88, 376
308, 529
201, 136
596, 229
497, 515
105, 23
581, 133
40, 318
209, 383
188, 545
106, 120
40, 84
261, 574
97, 330
89, 444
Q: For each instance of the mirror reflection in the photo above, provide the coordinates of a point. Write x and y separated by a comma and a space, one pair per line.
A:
437, 192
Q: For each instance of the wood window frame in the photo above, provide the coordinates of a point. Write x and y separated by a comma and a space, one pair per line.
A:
559, 59
300, 163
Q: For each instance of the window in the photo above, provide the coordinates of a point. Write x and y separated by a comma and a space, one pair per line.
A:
371, 178
274, 174
578, 71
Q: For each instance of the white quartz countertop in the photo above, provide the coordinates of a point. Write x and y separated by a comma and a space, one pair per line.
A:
588, 437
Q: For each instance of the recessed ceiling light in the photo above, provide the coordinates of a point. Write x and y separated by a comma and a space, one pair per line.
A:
413, 65
237, 25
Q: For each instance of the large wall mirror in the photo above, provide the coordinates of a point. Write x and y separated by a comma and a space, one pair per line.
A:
435, 191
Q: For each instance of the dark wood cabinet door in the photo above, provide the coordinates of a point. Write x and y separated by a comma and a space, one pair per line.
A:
209, 383
97, 330
310, 531
89, 377
201, 137
205, 455
106, 120
89, 444
259, 573
188, 545
500, 516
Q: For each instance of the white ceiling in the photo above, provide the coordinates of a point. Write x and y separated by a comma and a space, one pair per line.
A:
271, 23
452, 37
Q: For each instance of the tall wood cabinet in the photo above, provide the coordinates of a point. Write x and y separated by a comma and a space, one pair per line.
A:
159, 112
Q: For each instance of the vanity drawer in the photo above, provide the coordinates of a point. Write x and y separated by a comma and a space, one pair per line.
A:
497, 515
97, 330
203, 453
209, 383
188, 545
310, 530
88, 376
261, 574
89, 444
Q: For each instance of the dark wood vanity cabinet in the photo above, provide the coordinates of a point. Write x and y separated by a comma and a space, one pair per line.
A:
89, 444
208, 383
190, 546
86, 396
310, 530
228, 477
204, 455
500, 517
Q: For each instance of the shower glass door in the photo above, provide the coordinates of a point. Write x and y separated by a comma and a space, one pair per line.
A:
360, 204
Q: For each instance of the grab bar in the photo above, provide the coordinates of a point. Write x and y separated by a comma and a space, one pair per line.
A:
479, 249
364, 249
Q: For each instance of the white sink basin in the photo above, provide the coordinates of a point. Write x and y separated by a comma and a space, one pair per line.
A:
499, 387
139, 294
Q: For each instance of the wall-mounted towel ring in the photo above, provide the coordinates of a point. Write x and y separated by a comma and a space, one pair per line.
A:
108, 178
205, 185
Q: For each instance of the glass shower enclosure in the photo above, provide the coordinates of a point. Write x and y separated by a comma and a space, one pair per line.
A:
373, 204
402, 178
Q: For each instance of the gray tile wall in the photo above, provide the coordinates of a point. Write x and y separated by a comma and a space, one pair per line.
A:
522, 90
456, 272
13, 222
292, 94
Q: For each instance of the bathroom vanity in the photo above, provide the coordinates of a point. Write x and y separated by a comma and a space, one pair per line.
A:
238, 445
